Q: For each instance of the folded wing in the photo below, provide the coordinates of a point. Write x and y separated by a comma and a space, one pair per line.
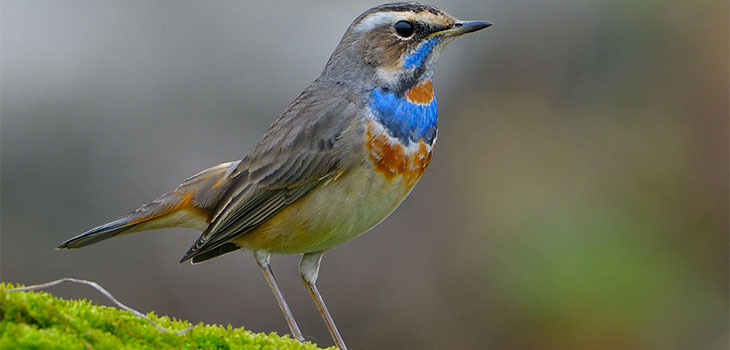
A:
304, 147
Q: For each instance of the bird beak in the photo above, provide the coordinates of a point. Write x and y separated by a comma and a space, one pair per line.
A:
462, 27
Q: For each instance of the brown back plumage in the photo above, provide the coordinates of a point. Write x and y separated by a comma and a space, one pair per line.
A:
310, 142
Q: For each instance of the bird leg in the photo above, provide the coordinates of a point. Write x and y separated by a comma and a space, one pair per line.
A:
309, 269
263, 259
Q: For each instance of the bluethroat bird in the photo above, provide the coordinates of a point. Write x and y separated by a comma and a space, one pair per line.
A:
336, 162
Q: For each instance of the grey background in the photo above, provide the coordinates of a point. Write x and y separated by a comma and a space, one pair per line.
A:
577, 197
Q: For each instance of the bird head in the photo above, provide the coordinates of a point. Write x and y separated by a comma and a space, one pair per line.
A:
395, 45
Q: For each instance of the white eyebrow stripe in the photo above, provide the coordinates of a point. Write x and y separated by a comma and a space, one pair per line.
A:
378, 19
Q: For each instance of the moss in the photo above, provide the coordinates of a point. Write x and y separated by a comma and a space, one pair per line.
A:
38, 320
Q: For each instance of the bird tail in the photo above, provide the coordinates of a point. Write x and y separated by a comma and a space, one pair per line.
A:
172, 209
189, 205
97, 234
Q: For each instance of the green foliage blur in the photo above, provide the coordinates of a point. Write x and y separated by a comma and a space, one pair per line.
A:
598, 195
37, 320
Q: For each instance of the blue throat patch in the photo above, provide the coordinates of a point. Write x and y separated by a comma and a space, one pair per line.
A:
402, 119
418, 57
405, 120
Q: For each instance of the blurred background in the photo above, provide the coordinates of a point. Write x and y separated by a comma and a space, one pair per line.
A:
577, 199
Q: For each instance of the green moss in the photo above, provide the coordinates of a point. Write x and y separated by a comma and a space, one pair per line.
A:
38, 320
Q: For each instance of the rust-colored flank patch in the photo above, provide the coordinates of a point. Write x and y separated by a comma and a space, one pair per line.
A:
161, 209
391, 160
421, 93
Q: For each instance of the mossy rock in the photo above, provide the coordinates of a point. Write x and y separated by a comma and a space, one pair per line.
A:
38, 320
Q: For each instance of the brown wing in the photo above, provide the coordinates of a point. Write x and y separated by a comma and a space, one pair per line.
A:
307, 144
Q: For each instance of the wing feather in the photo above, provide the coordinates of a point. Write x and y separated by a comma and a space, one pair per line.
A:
309, 143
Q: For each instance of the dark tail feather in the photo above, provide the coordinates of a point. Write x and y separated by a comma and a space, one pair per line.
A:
189, 205
223, 249
98, 234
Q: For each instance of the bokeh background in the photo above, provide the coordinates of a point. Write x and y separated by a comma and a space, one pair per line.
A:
577, 199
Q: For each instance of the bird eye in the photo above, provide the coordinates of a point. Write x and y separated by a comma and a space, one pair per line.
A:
404, 28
